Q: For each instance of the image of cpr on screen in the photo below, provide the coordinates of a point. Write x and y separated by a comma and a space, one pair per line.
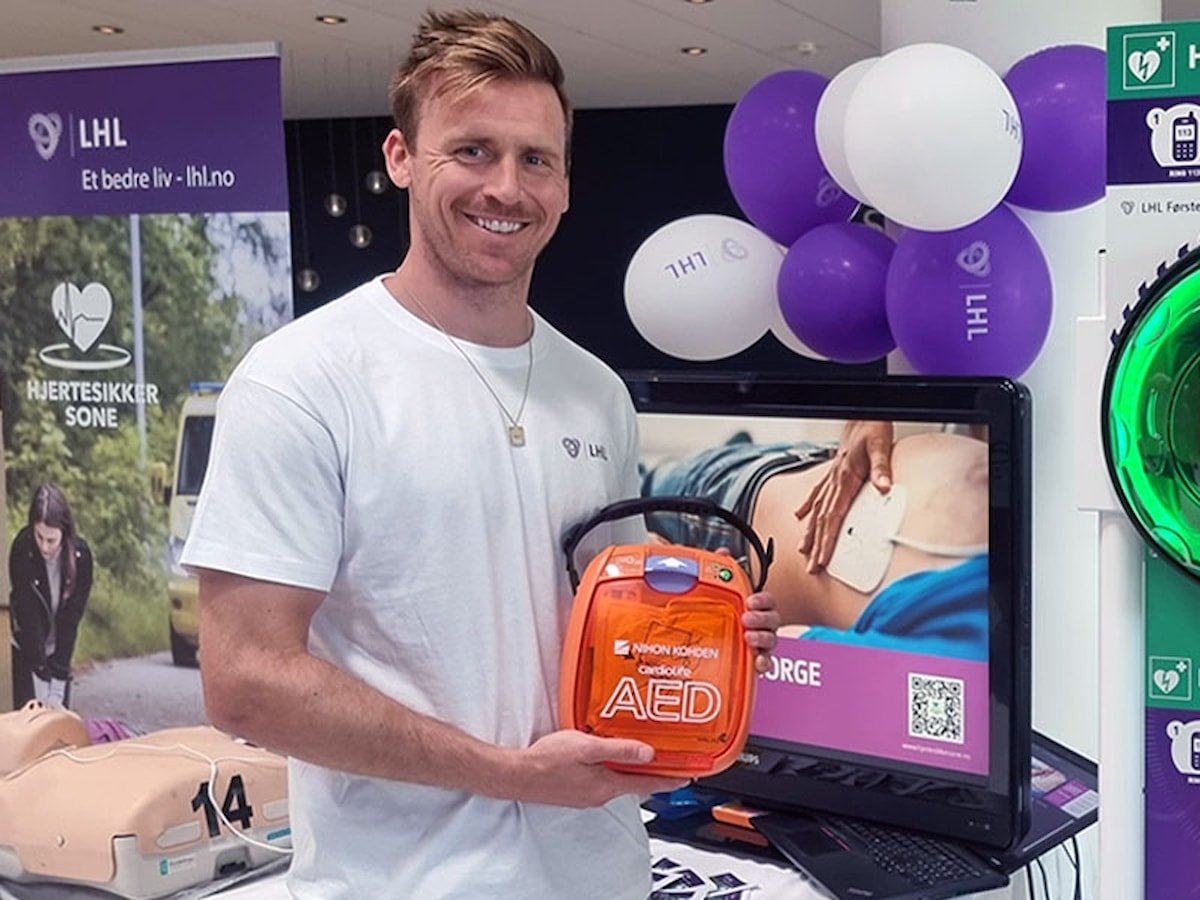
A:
1173, 134
1185, 746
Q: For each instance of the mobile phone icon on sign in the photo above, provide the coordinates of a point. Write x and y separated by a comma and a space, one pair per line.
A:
1183, 138
1196, 752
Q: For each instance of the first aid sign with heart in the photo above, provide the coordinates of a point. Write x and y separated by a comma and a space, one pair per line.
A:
82, 314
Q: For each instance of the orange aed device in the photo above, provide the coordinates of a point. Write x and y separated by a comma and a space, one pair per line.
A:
656, 649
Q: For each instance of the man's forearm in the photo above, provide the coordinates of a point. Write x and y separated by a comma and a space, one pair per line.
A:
301, 706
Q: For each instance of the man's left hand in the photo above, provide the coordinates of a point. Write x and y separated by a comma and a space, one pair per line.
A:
762, 620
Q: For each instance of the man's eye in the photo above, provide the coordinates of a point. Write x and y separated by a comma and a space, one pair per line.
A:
471, 151
535, 159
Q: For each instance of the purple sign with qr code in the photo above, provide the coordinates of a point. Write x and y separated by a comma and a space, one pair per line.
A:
912, 707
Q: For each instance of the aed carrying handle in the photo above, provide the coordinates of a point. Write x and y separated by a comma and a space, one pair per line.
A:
700, 506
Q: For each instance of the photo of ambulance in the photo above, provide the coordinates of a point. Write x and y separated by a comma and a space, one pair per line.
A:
180, 495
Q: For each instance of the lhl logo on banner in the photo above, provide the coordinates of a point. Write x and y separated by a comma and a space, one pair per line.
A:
45, 129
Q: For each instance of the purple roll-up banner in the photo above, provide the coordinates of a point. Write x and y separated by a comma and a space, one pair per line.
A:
185, 135
144, 247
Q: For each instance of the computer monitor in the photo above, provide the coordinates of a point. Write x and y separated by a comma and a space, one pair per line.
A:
900, 687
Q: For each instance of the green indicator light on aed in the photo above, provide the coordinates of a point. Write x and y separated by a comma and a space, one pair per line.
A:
725, 575
1150, 415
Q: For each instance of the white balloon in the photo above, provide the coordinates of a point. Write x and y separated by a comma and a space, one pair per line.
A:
703, 287
933, 137
831, 124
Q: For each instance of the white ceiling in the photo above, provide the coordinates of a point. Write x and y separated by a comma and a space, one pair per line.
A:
617, 53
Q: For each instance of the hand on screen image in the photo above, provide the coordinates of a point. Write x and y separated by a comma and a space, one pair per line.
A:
864, 452
927, 588
918, 582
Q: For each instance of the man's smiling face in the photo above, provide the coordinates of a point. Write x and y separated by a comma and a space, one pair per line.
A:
486, 179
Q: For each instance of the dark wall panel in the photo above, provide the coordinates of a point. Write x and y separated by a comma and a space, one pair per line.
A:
633, 171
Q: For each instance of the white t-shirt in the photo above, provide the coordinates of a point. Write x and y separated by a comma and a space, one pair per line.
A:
357, 453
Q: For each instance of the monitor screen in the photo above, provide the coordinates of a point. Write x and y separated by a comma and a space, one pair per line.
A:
899, 689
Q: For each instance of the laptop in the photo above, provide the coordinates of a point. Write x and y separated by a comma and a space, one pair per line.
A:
855, 859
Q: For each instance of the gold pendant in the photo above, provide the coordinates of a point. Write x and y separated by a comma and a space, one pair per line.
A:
516, 435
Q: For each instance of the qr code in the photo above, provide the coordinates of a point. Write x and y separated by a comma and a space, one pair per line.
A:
935, 708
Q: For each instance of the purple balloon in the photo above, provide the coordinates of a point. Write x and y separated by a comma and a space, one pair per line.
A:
831, 291
1060, 94
771, 159
973, 301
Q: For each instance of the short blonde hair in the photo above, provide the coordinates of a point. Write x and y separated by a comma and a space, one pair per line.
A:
466, 49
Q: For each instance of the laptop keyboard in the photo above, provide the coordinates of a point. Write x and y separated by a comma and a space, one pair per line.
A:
924, 861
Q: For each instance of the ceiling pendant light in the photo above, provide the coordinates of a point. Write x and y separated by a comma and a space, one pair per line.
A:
307, 278
335, 203
360, 234
376, 181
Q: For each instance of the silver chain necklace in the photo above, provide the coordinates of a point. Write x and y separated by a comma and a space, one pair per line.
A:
516, 431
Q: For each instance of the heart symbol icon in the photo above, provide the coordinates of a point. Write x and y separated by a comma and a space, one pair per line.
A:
1166, 680
45, 129
1144, 65
1127, 206
571, 445
82, 315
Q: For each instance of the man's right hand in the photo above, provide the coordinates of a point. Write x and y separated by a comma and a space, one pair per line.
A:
567, 768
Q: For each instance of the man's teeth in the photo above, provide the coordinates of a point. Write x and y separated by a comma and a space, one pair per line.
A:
503, 226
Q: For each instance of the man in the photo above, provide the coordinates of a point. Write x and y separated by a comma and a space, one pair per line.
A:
382, 594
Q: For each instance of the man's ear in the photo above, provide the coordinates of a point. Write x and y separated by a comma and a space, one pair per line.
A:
398, 157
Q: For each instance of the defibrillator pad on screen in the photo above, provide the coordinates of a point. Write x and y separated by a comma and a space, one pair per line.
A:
867, 537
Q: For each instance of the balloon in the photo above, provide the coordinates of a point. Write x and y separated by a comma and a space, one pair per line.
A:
933, 137
771, 159
783, 333
831, 291
1060, 93
703, 287
831, 124
973, 301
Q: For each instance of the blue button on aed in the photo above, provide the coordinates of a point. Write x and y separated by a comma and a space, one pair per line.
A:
671, 574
